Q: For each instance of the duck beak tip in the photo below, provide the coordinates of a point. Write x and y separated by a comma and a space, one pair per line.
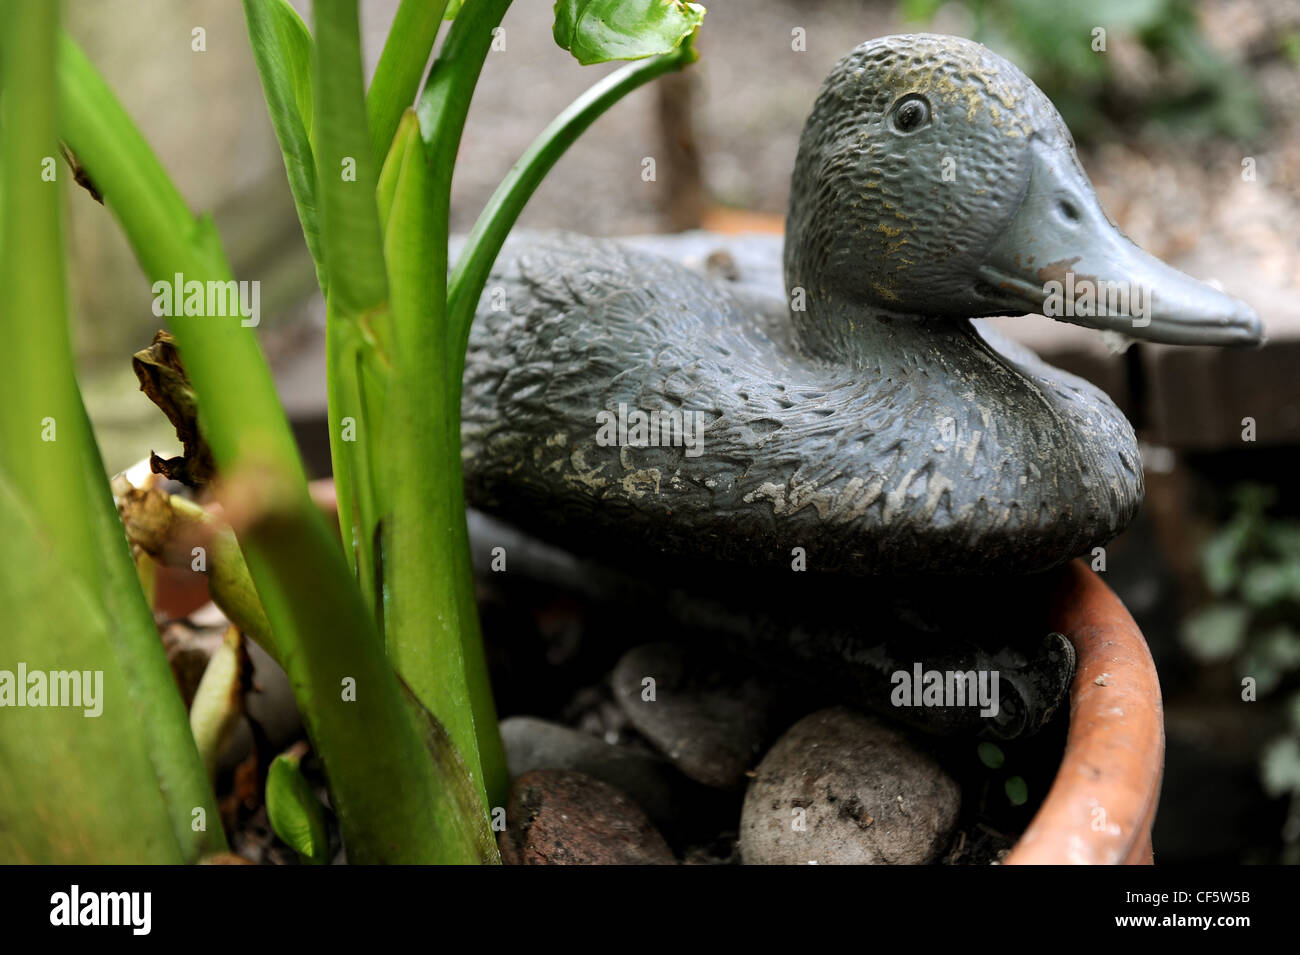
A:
1094, 263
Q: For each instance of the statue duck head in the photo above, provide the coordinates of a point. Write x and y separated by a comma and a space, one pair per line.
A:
857, 414
935, 180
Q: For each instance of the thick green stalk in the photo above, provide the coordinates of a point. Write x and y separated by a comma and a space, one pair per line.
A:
392, 806
401, 67
59, 497
357, 340
38, 346
422, 620
444, 105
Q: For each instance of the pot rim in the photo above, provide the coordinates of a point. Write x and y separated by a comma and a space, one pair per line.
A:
1102, 803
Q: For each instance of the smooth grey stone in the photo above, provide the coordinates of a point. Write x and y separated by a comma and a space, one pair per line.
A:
708, 714
840, 788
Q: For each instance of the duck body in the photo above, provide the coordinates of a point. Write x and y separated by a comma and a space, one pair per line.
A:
950, 450
857, 413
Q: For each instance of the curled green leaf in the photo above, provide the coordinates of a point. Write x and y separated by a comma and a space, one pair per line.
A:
296, 815
597, 31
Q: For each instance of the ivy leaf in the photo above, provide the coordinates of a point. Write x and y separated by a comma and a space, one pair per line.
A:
1280, 766
1263, 585
597, 31
1221, 559
1217, 632
991, 756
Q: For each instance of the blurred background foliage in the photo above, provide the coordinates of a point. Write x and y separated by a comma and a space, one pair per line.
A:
1251, 567
1163, 67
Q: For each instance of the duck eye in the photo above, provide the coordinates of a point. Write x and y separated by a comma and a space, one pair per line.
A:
911, 113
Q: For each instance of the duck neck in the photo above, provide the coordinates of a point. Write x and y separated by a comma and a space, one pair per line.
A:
862, 336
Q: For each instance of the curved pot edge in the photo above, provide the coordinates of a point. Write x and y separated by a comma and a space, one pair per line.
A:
1102, 803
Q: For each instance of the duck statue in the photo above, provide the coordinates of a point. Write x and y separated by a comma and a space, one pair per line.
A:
625, 404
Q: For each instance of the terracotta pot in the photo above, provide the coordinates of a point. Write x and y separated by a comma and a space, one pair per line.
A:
1102, 803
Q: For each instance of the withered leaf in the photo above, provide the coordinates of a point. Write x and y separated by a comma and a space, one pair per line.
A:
79, 174
163, 379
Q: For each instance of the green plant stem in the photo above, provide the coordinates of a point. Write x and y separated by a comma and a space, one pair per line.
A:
444, 105
466, 286
391, 805
422, 619
356, 299
59, 476
401, 67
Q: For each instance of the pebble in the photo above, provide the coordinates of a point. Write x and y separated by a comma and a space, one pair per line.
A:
654, 784
707, 714
557, 817
841, 788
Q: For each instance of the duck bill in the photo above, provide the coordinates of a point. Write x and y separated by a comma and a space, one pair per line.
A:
1061, 256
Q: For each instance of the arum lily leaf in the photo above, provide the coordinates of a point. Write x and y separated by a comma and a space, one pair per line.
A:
115, 779
418, 602
459, 807
345, 165
401, 67
77, 783
597, 31
282, 49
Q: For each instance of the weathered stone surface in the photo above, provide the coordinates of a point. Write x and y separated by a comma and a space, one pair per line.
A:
708, 715
796, 452
840, 788
557, 817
